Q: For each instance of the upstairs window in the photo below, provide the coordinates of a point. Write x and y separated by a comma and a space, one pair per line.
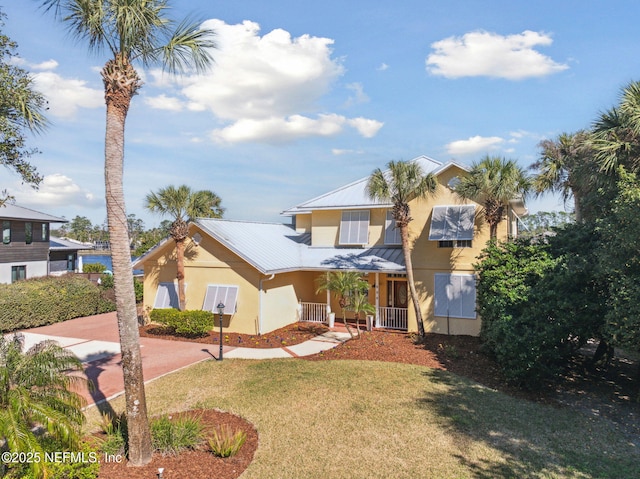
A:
452, 223
28, 232
354, 228
6, 232
391, 232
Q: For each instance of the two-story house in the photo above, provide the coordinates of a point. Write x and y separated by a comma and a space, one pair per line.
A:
24, 252
266, 273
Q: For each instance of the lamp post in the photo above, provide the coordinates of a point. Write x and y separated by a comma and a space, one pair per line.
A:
221, 312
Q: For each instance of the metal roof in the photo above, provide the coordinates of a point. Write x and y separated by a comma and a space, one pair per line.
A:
67, 244
15, 212
354, 195
276, 248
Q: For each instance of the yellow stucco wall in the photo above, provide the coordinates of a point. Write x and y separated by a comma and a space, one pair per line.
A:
211, 263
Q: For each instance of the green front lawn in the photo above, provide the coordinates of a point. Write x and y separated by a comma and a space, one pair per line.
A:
363, 419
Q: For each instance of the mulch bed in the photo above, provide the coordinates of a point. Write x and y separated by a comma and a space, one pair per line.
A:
288, 336
193, 464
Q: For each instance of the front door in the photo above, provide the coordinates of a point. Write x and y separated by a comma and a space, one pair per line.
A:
400, 294
398, 297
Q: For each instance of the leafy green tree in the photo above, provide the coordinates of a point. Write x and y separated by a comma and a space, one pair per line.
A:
131, 32
136, 228
80, 228
619, 260
21, 111
344, 285
493, 182
402, 182
183, 204
36, 392
150, 238
545, 221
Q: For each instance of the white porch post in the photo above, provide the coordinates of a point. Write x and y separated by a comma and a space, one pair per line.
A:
377, 300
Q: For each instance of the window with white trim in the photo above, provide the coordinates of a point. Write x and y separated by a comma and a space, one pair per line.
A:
167, 296
354, 227
455, 295
221, 293
391, 232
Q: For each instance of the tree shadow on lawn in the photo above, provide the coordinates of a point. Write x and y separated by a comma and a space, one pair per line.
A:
533, 440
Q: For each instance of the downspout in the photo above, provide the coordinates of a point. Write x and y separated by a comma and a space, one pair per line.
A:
262, 280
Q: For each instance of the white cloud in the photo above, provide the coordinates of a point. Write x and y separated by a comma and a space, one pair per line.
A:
359, 96
66, 95
47, 65
267, 88
383, 67
56, 190
483, 53
340, 152
475, 144
366, 127
164, 102
279, 130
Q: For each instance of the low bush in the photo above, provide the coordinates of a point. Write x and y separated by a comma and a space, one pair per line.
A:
81, 464
93, 268
170, 436
138, 286
185, 323
41, 301
226, 443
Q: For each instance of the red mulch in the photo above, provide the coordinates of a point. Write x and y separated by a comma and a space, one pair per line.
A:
289, 335
609, 390
193, 464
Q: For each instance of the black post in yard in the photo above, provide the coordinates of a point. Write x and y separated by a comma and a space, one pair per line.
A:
221, 312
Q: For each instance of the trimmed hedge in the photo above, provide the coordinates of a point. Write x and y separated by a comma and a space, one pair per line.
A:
185, 323
41, 301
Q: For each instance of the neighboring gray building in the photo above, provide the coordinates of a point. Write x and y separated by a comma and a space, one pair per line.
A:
63, 255
24, 252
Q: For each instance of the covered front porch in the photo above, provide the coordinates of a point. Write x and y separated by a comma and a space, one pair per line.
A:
388, 293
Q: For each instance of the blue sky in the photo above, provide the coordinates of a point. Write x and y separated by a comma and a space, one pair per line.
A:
307, 96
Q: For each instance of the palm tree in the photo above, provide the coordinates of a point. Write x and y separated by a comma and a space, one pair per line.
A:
359, 304
343, 284
35, 392
565, 166
183, 204
493, 182
132, 31
402, 182
616, 134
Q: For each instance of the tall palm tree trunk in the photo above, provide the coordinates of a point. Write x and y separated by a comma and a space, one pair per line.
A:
180, 274
404, 235
118, 100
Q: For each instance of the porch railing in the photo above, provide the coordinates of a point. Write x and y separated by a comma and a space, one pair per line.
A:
392, 318
314, 312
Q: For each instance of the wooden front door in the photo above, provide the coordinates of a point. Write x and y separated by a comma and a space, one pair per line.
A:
398, 294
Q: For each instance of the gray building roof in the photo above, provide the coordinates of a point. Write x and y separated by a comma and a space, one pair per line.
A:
276, 248
66, 244
354, 194
15, 212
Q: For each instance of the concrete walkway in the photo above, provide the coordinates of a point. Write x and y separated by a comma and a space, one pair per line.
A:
95, 340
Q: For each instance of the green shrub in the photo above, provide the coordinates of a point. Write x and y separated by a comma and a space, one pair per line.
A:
170, 436
539, 303
106, 281
225, 443
185, 323
138, 286
115, 428
93, 268
41, 301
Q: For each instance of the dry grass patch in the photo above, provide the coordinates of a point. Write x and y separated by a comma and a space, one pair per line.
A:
373, 420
